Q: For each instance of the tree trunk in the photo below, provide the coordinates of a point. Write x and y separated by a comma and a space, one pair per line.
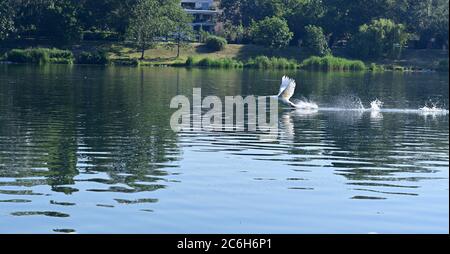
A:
142, 53
178, 50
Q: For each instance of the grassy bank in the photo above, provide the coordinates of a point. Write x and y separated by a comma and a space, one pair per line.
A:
232, 56
165, 54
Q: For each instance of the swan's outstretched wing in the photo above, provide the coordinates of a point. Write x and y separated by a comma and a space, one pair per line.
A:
284, 84
287, 88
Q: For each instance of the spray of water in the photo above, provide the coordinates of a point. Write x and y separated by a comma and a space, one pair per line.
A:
348, 103
306, 104
433, 108
376, 105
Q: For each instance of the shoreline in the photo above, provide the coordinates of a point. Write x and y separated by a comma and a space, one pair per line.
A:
159, 65
237, 56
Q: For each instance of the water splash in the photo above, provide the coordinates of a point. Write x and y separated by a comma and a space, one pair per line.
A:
376, 105
432, 109
306, 104
359, 105
349, 102
375, 110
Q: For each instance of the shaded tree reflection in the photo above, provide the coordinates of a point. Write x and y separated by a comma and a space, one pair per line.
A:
59, 122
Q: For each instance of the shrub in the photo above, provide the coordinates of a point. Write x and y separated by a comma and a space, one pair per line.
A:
331, 63
443, 65
203, 35
60, 54
40, 56
315, 41
264, 62
376, 68
28, 56
18, 56
205, 62
190, 61
97, 57
379, 38
260, 62
271, 32
219, 63
215, 43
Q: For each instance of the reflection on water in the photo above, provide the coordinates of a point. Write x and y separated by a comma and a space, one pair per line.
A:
90, 150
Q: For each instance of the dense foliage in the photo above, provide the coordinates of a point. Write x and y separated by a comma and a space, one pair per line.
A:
6, 20
340, 19
315, 41
271, 32
97, 57
381, 37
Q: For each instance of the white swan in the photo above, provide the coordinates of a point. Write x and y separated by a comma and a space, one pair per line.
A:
287, 90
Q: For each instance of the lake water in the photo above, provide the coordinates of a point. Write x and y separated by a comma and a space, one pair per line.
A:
90, 150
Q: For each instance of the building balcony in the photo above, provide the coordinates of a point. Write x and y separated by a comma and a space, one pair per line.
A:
199, 11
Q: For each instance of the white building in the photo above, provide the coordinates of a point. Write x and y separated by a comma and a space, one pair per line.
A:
205, 14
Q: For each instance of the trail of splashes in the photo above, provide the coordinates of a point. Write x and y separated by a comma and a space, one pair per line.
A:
433, 108
354, 104
350, 102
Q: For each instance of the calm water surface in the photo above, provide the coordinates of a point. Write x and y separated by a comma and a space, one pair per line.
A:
90, 150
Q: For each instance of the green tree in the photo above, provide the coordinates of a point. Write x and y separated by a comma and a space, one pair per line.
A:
381, 37
315, 41
54, 19
301, 13
429, 19
109, 15
6, 19
152, 20
183, 31
233, 33
246, 11
271, 32
343, 17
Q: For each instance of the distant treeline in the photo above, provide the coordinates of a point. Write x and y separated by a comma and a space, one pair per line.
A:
63, 21
371, 28
340, 19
